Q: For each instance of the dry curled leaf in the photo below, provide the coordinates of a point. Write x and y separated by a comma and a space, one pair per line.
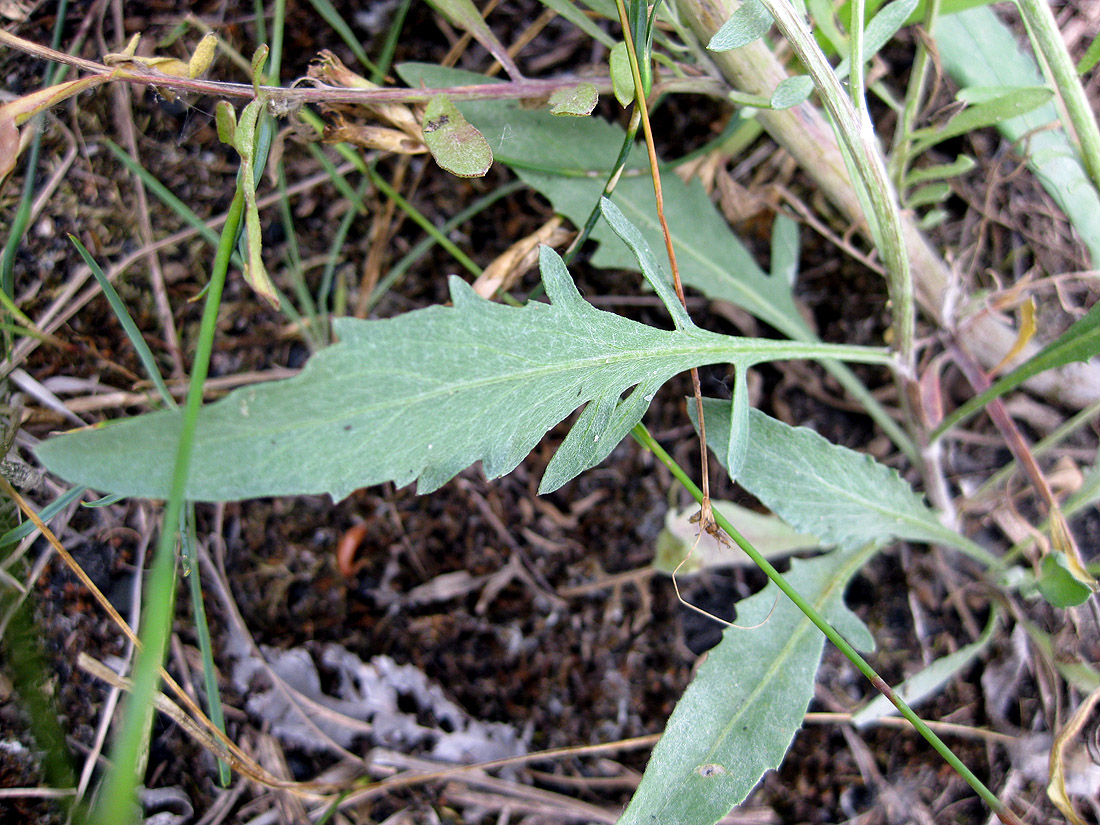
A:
330, 70
9, 145
517, 259
372, 137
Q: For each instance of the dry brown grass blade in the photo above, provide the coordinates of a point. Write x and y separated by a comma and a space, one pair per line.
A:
1056, 790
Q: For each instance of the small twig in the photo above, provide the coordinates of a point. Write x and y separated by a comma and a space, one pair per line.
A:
706, 517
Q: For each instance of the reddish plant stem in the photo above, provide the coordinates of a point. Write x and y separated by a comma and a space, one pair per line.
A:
706, 519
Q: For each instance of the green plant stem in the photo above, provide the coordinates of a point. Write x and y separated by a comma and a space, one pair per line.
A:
609, 187
1043, 29
914, 100
856, 134
642, 435
857, 71
117, 799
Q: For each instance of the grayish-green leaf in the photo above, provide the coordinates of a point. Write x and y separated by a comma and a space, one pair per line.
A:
652, 270
792, 91
749, 22
420, 397
578, 101
785, 248
882, 27
683, 549
841, 496
737, 446
568, 160
456, 146
927, 195
926, 682
960, 166
737, 718
978, 49
622, 77
990, 112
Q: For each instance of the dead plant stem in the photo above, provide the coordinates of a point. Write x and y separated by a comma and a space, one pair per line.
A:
706, 519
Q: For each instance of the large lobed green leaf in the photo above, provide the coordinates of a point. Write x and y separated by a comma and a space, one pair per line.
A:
421, 397
737, 718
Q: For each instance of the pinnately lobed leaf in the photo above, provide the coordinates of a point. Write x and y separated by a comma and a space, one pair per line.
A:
737, 718
421, 397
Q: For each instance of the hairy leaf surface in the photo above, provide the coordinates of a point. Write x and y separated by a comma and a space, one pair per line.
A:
840, 496
737, 718
421, 397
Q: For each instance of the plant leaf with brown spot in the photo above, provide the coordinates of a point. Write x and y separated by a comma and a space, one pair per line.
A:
457, 146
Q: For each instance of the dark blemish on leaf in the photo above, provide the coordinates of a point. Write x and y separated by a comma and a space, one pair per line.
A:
707, 771
438, 123
347, 428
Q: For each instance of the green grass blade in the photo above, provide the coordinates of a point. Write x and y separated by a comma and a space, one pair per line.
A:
48, 512
331, 16
1078, 343
148, 360
116, 803
385, 58
202, 633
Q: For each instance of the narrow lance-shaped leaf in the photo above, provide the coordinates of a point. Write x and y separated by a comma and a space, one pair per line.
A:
841, 496
987, 113
737, 718
464, 14
882, 27
568, 160
749, 22
926, 682
418, 397
652, 270
792, 91
737, 449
